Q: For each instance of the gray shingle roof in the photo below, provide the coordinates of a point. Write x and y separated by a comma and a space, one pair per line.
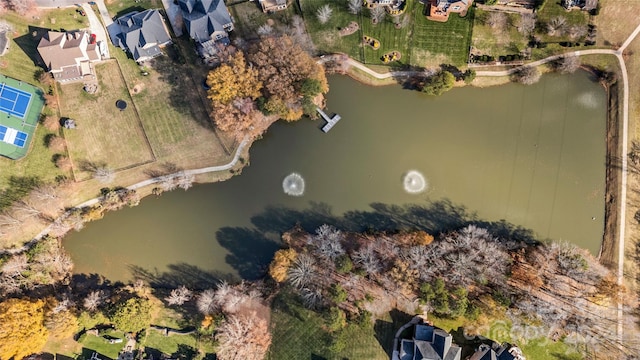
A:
140, 33
203, 18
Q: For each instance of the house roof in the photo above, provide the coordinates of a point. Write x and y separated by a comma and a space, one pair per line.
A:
434, 344
67, 53
140, 33
202, 18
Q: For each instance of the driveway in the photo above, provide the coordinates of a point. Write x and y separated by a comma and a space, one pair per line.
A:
56, 3
98, 29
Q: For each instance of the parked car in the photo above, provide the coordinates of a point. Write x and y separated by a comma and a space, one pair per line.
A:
92, 3
81, 12
92, 39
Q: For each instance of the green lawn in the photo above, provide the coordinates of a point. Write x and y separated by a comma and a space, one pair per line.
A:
421, 42
553, 9
100, 345
249, 17
168, 344
391, 39
497, 42
299, 333
436, 43
174, 109
326, 36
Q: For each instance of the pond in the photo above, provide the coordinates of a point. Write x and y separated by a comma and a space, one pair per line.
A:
527, 161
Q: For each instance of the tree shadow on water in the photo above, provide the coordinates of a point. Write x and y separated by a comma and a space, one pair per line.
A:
178, 275
250, 251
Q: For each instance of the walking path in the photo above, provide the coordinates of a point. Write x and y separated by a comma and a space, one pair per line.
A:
141, 184
158, 179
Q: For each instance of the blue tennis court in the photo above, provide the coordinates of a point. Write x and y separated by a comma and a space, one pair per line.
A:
14, 101
13, 136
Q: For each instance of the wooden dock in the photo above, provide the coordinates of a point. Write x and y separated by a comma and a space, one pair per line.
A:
330, 120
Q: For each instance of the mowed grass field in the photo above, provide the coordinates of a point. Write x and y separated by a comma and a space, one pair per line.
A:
174, 109
497, 42
105, 135
326, 36
436, 43
299, 333
421, 42
391, 39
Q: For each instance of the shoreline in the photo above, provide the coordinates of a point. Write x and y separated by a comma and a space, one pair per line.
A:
606, 253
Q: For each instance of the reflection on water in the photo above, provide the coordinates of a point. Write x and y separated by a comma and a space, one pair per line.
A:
511, 157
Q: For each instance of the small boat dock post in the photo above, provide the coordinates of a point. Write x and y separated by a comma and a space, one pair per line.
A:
330, 120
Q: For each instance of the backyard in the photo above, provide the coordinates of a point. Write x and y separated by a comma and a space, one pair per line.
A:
436, 43
500, 40
116, 138
174, 109
420, 41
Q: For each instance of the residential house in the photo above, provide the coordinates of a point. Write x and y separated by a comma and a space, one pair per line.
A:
586, 5
208, 22
439, 10
273, 5
428, 342
497, 352
69, 56
142, 34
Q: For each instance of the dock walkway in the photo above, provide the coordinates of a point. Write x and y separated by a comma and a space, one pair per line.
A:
330, 120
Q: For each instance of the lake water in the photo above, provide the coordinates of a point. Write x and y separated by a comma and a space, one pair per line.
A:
533, 156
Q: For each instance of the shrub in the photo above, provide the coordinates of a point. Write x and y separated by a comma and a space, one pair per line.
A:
338, 294
336, 319
343, 264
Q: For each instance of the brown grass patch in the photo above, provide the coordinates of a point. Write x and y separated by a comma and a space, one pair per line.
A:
104, 134
616, 21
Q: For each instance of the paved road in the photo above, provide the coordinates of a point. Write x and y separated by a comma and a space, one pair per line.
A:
56, 3
98, 29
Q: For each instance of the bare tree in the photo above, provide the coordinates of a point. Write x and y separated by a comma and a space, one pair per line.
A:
311, 297
15, 265
328, 241
377, 14
303, 271
324, 13
56, 143
168, 183
94, 300
26, 209
556, 26
21, 6
527, 75
103, 174
45, 192
355, 6
243, 337
63, 163
206, 302
265, 29
577, 31
367, 259
185, 181
567, 64
526, 24
179, 296
497, 20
